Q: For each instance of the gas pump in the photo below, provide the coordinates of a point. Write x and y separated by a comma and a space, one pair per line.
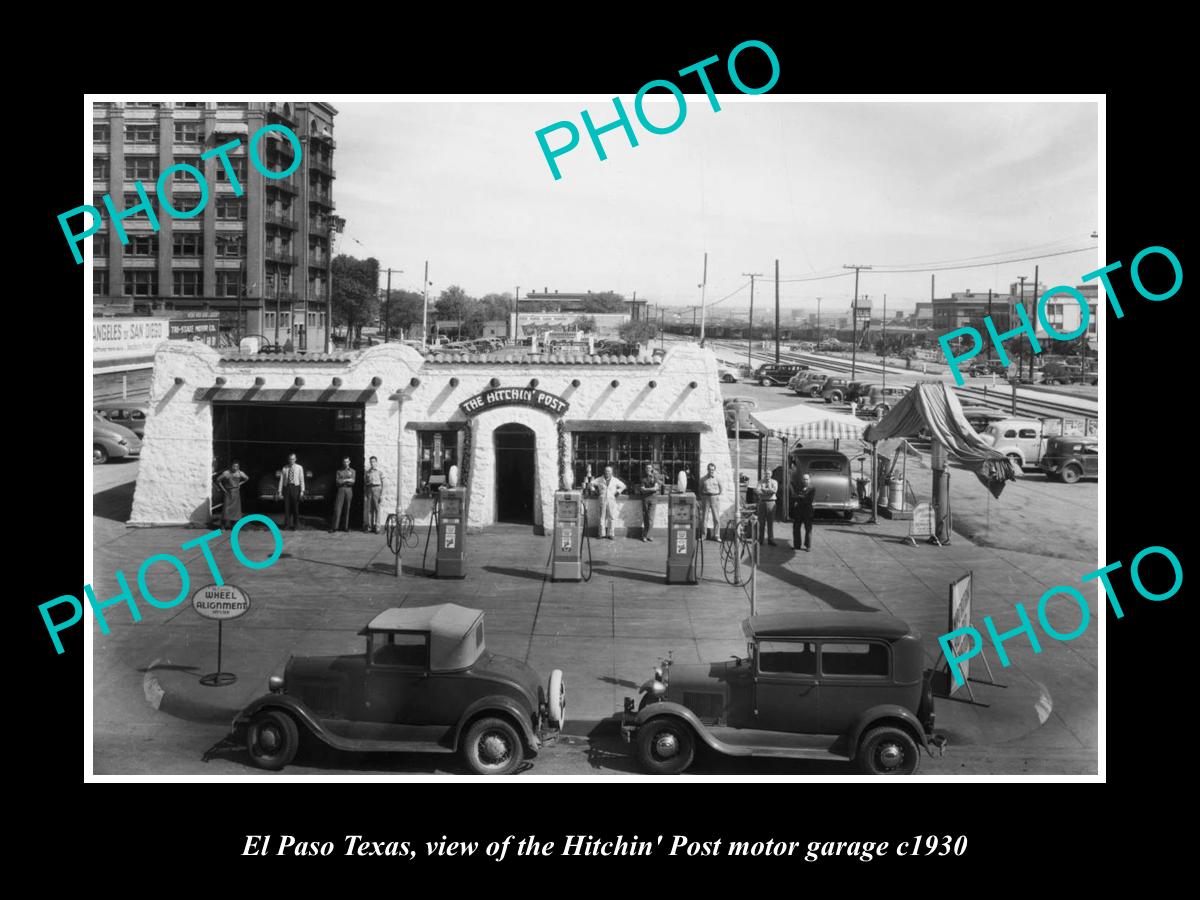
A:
450, 561
567, 563
682, 518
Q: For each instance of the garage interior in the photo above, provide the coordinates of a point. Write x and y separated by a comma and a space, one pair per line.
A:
262, 434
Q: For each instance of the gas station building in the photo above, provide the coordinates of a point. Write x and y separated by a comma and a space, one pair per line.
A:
514, 425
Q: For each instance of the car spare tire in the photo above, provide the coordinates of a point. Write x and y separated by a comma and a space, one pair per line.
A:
556, 699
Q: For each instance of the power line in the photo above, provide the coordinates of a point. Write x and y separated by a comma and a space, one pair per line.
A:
986, 265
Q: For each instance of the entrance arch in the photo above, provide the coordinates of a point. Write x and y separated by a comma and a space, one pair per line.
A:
516, 483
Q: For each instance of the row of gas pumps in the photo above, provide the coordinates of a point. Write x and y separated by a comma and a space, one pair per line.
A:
571, 542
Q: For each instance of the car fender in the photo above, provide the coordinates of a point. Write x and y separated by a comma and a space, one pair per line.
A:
289, 704
498, 704
678, 711
883, 714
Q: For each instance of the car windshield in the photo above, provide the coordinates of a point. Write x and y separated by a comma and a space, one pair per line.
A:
825, 465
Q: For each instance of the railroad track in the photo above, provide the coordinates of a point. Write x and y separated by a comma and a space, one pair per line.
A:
1026, 406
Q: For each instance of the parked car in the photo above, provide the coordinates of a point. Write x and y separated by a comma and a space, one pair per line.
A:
880, 400
834, 389
1020, 440
113, 441
315, 487
126, 413
987, 367
770, 373
981, 417
831, 476
1070, 458
727, 375
803, 378
857, 390
737, 410
813, 685
811, 387
425, 682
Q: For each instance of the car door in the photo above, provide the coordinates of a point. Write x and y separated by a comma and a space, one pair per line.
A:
1090, 454
396, 683
1029, 439
855, 674
785, 687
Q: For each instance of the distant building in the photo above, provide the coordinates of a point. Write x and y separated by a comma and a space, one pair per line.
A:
966, 308
923, 315
1063, 313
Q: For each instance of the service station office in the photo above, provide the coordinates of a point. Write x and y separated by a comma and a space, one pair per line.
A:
514, 426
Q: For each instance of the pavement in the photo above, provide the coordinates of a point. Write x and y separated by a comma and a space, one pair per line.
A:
606, 634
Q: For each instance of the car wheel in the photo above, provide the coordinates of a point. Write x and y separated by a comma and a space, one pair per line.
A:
556, 699
765, 382
848, 515
1016, 461
665, 746
836, 397
99, 455
888, 751
272, 739
493, 747
814, 392
1070, 474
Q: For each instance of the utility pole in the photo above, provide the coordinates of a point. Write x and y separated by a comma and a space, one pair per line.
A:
517, 316
425, 306
854, 321
662, 318
1020, 350
387, 306
885, 342
818, 323
989, 343
750, 336
785, 475
1034, 318
703, 285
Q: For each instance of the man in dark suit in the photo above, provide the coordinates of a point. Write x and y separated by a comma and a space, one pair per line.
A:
802, 512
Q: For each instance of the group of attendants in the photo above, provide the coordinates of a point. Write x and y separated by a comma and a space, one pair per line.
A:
290, 489
608, 486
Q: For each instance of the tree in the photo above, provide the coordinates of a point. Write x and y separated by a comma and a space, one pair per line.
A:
454, 304
405, 311
637, 332
354, 298
584, 323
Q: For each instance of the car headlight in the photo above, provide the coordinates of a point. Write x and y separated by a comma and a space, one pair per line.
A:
275, 684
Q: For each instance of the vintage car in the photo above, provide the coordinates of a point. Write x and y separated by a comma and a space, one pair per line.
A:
727, 375
315, 487
813, 685
425, 682
878, 400
1069, 458
737, 415
835, 390
830, 473
777, 373
1021, 440
126, 413
112, 441
802, 381
980, 417
987, 367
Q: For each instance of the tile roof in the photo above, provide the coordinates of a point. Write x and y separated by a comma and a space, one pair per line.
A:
565, 359
289, 357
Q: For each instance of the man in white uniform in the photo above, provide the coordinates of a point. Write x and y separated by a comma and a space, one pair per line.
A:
608, 487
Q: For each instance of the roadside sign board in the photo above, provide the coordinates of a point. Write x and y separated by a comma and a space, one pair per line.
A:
960, 617
922, 524
221, 602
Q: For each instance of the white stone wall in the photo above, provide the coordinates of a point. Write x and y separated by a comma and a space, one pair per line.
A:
174, 481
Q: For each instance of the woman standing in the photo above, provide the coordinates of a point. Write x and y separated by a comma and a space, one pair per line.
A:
230, 482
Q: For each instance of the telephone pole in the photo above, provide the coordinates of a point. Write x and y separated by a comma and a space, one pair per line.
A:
750, 336
885, 342
516, 335
1034, 318
387, 305
1020, 350
703, 285
425, 306
989, 343
854, 321
777, 339
818, 348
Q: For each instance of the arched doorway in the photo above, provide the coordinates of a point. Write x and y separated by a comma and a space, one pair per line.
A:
515, 448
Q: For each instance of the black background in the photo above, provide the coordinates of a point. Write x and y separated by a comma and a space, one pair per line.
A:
195, 834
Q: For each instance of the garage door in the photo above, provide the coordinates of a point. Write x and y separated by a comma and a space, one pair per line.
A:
261, 435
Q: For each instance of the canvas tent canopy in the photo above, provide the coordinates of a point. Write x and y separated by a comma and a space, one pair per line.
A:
933, 406
807, 423
455, 632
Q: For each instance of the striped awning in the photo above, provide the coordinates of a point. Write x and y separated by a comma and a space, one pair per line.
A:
805, 422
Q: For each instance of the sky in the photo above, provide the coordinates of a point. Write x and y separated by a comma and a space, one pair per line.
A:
816, 185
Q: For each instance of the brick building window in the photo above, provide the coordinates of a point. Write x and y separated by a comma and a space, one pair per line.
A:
231, 208
238, 164
229, 284
629, 452
184, 175
230, 246
188, 283
437, 451
142, 245
101, 166
101, 131
141, 282
141, 134
187, 243
100, 282
141, 168
189, 132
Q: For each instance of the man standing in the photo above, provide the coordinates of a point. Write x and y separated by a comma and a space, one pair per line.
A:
649, 487
374, 485
767, 489
710, 491
291, 488
346, 477
608, 487
802, 512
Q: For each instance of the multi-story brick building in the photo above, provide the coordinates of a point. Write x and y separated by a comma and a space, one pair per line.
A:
261, 261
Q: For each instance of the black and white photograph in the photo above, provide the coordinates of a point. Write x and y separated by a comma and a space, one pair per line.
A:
729, 434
